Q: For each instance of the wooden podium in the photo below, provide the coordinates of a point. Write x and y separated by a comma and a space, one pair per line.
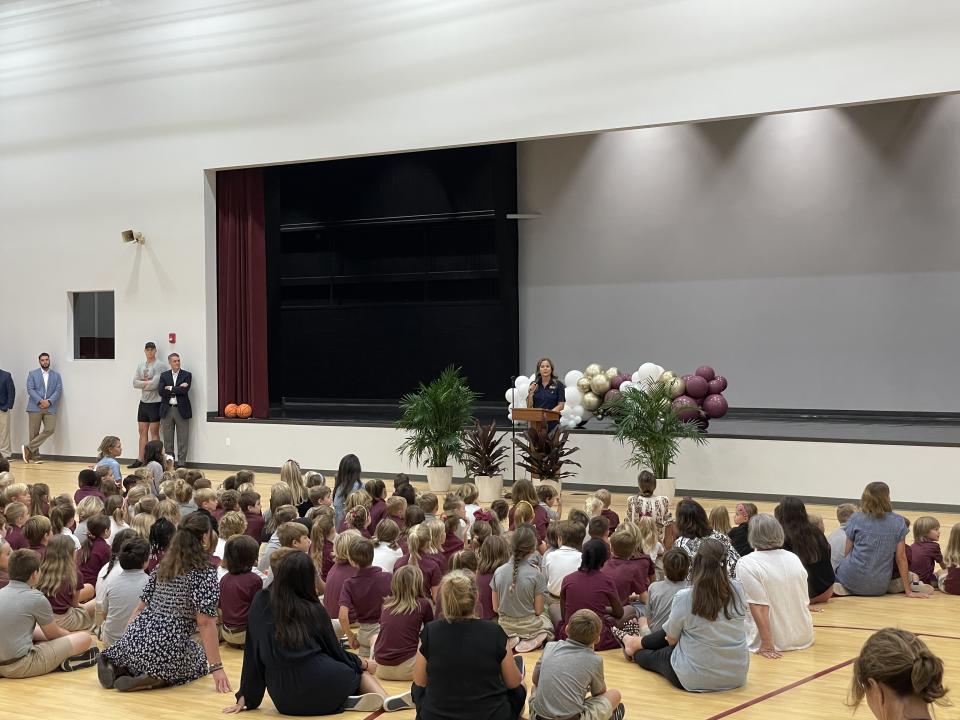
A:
537, 417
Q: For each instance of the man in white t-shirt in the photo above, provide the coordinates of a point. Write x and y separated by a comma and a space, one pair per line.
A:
775, 584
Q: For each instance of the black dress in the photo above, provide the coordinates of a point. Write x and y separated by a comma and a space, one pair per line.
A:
738, 536
313, 680
820, 575
465, 685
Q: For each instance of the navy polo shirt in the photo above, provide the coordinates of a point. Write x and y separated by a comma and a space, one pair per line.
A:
549, 397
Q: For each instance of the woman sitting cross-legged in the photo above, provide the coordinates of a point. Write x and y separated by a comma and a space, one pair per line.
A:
179, 599
775, 583
292, 652
703, 645
807, 542
693, 528
464, 669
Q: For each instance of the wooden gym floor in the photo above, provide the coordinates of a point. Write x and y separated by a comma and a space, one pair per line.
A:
808, 684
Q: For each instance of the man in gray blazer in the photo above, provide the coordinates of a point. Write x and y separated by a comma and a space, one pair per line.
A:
44, 388
8, 393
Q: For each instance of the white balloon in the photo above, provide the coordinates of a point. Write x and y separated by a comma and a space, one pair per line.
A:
571, 377
635, 377
577, 419
573, 395
508, 395
578, 409
510, 413
521, 401
647, 373
522, 383
626, 385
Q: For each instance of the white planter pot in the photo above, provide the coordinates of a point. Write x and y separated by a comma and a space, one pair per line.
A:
439, 479
490, 487
666, 487
555, 484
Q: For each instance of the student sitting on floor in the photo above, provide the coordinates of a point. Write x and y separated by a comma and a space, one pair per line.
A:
598, 529
453, 505
16, 515
320, 496
37, 531
396, 507
570, 669
386, 550
430, 505
838, 538
603, 495
519, 594
322, 535
488, 560
561, 562
469, 493
362, 596
738, 533
250, 507
405, 611
337, 575
549, 500
949, 579
23, 609
589, 588
124, 590
676, 566
238, 587
112, 569
629, 570
61, 584
94, 551
452, 544
377, 490
720, 519
283, 514
5, 552
925, 554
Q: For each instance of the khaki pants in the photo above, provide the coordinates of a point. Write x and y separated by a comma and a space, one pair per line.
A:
43, 658
403, 671
5, 433
234, 638
74, 620
365, 635
37, 438
174, 421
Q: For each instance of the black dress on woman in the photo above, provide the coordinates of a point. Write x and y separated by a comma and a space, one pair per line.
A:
313, 680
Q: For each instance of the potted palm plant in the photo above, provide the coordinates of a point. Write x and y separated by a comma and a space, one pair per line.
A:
483, 456
435, 417
646, 420
544, 453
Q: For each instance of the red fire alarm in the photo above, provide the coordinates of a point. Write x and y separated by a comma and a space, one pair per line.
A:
172, 338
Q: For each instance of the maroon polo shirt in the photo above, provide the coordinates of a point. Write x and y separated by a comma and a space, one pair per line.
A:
16, 539
485, 596
400, 634
451, 546
99, 556
62, 600
951, 585
326, 558
540, 520
924, 556
87, 491
630, 576
612, 518
236, 594
254, 525
363, 593
378, 511
590, 590
431, 573
336, 577
40, 550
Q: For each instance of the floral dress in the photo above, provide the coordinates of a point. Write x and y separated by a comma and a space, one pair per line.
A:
692, 546
657, 507
158, 642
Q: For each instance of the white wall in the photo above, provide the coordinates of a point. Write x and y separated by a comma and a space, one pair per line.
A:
111, 111
812, 257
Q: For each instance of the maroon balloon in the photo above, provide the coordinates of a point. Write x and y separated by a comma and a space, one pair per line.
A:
611, 395
715, 406
706, 372
616, 382
715, 386
686, 407
686, 378
723, 382
696, 387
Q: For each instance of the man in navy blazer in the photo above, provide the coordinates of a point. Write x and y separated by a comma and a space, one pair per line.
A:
44, 388
175, 410
8, 393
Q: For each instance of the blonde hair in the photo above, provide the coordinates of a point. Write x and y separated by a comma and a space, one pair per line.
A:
523, 513
6, 479
343, 543
183, 491
168, 510
323, 525
585, 626
15, 490
88, 507
647, 529
141, 524
291, 474
458, 595
59, 565
603, 495
951, 558
902, 662
406, 589
357, 498
469, 493
116, 508
434, 534
136, 494
593, 505
720, 519
923, 525
232, 523
386, 533
105, 445
204, 495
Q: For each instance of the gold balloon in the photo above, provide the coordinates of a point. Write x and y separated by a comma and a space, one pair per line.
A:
590, 401
599, 384
583, 384
677, 387
667, 376
611, 373
592, 369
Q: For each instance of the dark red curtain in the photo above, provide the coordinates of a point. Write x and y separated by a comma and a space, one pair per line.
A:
242, 290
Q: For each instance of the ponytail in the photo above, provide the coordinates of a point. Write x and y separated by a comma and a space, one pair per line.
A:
414, 546
96, 526
524, 543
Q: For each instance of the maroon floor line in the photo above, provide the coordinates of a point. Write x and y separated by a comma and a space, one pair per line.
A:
854, 627
780, 691
375, 714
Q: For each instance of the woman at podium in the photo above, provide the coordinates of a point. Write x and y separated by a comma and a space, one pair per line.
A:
546, 391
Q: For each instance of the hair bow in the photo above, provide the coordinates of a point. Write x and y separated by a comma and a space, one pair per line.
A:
482, 514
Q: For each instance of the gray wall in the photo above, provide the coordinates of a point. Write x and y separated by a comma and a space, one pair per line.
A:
813, 258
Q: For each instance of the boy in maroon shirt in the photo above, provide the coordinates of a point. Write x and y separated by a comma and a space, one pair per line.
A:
603, 495
397, 511
37, 531
363, 595
238, 587
250, 507
925, 551
630, 574
451, 543
16, 515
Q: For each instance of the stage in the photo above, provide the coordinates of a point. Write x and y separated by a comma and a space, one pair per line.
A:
753, 454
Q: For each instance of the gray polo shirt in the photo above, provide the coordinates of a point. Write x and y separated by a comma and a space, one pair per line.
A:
21, 609
568, 670
659, 600
119, 601
530, 583
149, 389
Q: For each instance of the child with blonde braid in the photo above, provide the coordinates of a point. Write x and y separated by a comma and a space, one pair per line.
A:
405, 611
338, 575
519, 594
61, 585
417, 541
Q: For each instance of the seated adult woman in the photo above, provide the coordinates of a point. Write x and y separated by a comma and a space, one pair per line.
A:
463, 670
703, 645
292, 651
874, 541
693, 529
898, 675
180, 598
807, 542
646, 504
775, 583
